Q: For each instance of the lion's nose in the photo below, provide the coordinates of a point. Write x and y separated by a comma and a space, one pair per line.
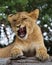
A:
18, 26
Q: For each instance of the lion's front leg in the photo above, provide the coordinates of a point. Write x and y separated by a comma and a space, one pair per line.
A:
15, 52
41, 53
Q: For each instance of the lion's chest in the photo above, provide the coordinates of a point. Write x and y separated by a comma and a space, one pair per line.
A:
29, 49
25, 46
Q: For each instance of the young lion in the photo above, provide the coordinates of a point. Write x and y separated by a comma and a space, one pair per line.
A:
28, 35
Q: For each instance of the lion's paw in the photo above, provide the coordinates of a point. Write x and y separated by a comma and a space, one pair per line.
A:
15, 52
42, 55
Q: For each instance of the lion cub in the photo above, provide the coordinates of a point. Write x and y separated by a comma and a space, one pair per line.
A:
28, 34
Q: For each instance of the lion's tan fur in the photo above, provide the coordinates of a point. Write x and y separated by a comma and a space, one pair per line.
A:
33, 40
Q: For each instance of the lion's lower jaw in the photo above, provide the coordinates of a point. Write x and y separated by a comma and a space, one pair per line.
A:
24, 38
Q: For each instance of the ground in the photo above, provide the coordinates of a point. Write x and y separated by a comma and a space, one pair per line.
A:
27, 61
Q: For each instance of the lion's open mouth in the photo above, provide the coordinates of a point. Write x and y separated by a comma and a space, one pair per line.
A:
22, 32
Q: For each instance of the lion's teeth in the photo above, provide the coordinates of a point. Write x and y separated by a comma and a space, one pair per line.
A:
21, 35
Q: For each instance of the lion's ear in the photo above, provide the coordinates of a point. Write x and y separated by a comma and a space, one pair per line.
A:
10, 18
34, 14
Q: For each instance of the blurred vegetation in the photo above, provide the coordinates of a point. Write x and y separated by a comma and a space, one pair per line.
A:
45, 7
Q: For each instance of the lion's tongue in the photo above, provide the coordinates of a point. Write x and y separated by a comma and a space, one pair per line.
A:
21, 31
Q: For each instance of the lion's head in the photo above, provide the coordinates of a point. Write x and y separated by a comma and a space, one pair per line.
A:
23, 23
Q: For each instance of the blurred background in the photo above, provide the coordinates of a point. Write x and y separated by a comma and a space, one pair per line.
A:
45, 18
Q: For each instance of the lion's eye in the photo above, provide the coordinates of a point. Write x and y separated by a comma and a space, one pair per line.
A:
24, 19
14, 20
